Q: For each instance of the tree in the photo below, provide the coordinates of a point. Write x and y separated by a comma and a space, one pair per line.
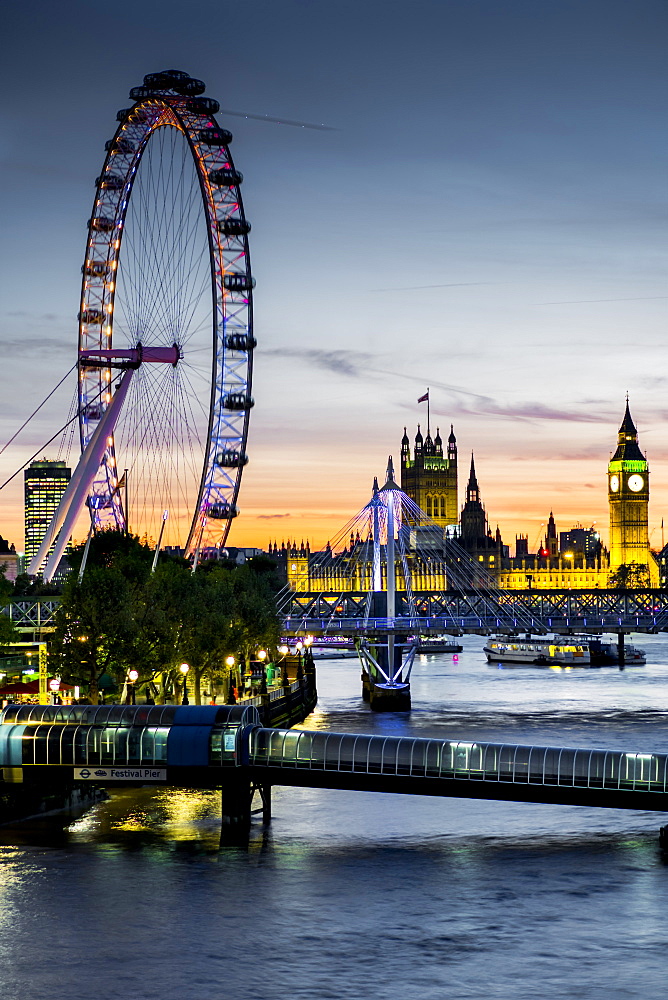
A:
630, 576
7, 631
96, 629
123, 616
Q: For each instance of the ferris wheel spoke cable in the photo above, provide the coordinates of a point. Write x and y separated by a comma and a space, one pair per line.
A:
193, 396
186, 450
51, 439
36, 411
169, 311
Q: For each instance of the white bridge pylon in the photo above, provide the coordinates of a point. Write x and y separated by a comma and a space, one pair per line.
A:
74, 497
387, 505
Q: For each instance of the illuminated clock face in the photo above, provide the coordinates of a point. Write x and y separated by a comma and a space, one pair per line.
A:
636, 483
614, 484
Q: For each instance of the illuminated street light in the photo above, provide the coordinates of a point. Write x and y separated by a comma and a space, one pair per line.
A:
184, 668
133, 677
230, 661
262, 654
54, 687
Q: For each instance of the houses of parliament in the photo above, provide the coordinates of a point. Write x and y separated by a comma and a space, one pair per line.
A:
572, 559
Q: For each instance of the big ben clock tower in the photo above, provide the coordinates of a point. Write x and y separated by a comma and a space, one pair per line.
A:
628, 498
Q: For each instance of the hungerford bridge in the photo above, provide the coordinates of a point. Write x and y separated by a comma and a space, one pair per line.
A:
226, 747
452, 612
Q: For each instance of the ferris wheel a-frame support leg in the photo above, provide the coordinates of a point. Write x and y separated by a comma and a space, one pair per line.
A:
64, 519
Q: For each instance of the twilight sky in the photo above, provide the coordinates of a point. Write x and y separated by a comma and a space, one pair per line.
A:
487, 218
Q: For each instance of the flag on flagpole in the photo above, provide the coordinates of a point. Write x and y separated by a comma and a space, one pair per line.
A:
425, 398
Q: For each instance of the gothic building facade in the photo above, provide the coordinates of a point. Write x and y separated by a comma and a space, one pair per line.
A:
429, 477
475, 535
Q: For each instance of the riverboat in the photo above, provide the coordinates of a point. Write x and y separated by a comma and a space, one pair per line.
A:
437, 645
605, 653
333, 652
563, 651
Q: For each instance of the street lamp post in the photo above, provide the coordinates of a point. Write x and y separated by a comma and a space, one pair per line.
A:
133, 677
229, 662
184, 668
54, 687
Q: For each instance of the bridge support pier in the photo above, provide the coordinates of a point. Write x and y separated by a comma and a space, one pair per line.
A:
265, 798
237, 808
663, 839
236, 812
621, 652
386, 698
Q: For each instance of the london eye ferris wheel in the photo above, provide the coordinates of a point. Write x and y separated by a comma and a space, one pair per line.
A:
165, 350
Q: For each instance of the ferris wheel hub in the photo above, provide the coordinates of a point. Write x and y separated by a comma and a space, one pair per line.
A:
131, 357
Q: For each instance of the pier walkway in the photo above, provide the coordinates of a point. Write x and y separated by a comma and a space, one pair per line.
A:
226, 747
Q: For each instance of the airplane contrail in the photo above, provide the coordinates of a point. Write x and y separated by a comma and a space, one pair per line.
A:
279, 121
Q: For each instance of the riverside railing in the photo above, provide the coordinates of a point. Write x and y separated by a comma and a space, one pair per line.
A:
208, 738
495, 762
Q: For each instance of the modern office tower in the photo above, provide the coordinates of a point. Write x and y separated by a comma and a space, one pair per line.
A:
44, 485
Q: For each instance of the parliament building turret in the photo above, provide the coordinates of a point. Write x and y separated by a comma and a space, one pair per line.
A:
430, 477
475, 534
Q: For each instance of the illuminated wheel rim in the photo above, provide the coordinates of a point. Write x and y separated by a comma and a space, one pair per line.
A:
167, 265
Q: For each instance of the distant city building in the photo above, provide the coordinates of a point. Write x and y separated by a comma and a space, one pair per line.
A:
44, 485
8, 559
429, 478
579, 561
662, 560
579, 541
475, 534
573, 559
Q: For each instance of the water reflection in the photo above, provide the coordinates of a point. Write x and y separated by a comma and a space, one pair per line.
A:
348, 894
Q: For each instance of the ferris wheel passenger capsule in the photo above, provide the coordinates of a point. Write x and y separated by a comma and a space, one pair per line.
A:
215, 136
203, 106
222, 511
110, 182
234, 227
141, 93
95, 268
240, 342
238, 401
234, 281
231, 459
165, 79
91, 316
226, 177
120, 145
189, 87
101, 224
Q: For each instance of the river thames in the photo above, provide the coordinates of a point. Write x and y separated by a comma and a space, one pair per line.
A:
351, 894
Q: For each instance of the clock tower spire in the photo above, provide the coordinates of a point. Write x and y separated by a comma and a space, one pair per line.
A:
631, 562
